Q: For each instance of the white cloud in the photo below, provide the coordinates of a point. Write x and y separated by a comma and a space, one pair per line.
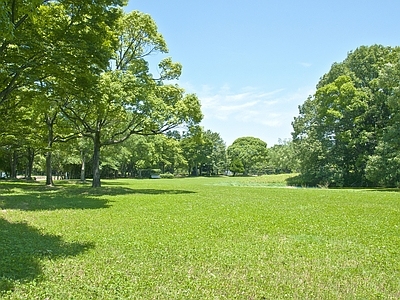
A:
270, 94
250, 111
305, 64
253, 106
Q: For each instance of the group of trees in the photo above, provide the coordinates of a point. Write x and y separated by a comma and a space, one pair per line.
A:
347, 133
75, 83
75, 89
77, 71
194, 152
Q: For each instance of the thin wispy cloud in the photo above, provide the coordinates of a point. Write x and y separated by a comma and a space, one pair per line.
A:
305, 64
251, 110
274, 77
253, 106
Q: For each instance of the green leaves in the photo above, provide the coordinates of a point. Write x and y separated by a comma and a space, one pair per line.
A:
340, 126
127, 100
82, 66
169, 69
138, 37
66, 40
249, 151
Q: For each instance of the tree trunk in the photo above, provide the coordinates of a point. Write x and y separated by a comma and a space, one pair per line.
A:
13, 164
83, 179
29, 167
96, 161
49, 177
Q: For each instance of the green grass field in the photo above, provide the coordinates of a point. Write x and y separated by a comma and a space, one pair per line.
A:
198, 238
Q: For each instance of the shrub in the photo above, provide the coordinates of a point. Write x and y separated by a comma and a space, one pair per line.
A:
147, 173
167, 175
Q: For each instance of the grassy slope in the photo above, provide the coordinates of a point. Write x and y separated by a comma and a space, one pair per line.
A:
198, 238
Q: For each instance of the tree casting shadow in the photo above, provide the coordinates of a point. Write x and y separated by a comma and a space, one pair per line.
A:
22, 248
36, 196
33, 196
33, 201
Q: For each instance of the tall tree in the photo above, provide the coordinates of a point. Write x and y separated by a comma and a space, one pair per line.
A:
20, 134
282, 158
339, 127
140, 150
249, 151
383, 166
55, 49
75, 65
127, 99
197, 149
218, 157
167, 153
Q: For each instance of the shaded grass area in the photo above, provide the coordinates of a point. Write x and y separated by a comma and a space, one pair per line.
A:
36, 196
22, 249
199, 238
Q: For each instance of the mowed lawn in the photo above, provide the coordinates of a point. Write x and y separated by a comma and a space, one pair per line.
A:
198, 238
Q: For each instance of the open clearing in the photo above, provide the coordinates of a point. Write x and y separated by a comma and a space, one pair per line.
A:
198, 238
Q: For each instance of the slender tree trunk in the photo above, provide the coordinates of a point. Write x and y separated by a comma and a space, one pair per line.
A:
83, 179
29, 167
49, 177
13, 164
96, 161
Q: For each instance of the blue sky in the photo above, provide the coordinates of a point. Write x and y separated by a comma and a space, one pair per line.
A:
251, 63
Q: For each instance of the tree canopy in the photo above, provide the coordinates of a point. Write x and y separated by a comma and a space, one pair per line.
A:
78, 72
127, 100
61, 39
343, 128
247, 152
81, 66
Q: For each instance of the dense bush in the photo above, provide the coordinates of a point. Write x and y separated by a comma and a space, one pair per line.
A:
167, 175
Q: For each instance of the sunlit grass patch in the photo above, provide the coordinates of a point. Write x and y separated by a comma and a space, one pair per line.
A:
256, 181
200, 238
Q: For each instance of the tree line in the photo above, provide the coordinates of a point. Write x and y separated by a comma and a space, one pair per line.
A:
76, 89
347, 133
196, 152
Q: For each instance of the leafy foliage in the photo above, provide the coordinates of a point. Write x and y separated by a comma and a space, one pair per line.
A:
249, 151
236, 166
384, 164
341, 126
282, 158
197, 148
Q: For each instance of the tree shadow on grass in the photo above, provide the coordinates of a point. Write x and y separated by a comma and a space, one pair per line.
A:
33, 196
22, 248
29, 199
